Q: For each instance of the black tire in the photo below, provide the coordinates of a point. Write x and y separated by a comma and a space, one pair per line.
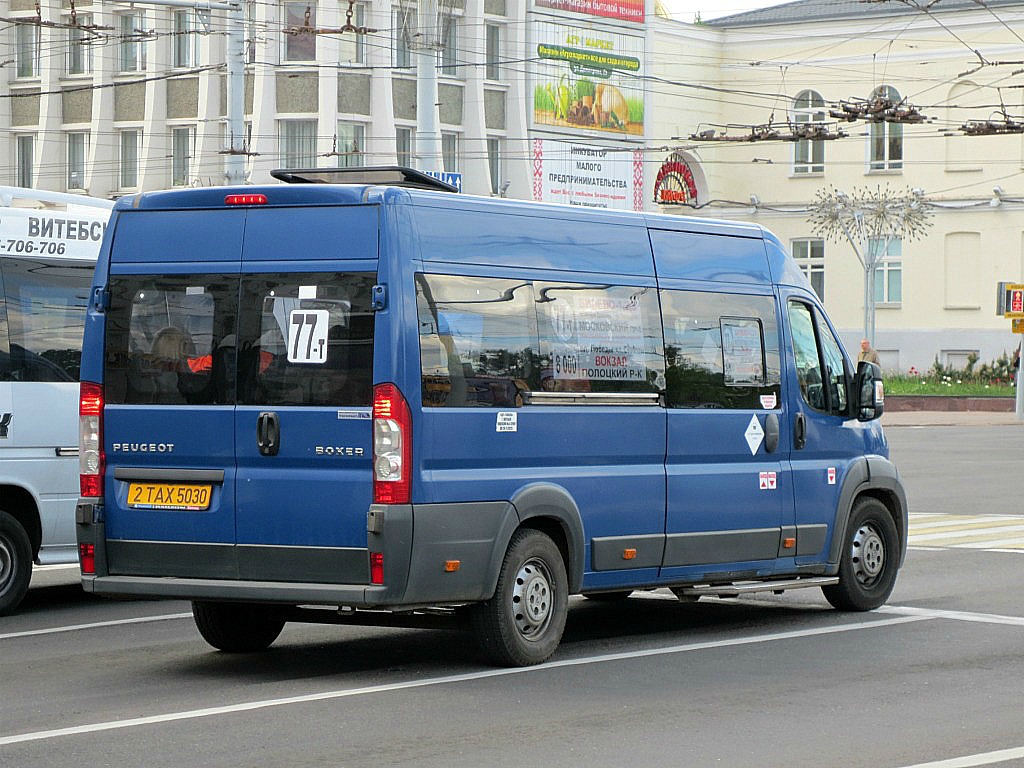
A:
15, 563
609, 597
869, 559
237, 627
522, 623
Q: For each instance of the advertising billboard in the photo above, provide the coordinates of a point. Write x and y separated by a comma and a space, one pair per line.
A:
588, 78
587, 175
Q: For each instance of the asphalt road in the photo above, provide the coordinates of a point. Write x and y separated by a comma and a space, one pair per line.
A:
934, 677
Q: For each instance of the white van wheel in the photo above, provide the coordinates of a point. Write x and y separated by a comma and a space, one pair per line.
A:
522, 623
236, 627
868, 561
15, 563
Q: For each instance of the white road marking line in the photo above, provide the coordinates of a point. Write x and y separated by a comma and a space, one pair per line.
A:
967, 533
94, 625
448, 680
936, 613
982, 758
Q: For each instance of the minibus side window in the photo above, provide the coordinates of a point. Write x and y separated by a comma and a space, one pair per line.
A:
722, 350
171, 339
835, 367
478, 340
45, 307
306, 339
600, 338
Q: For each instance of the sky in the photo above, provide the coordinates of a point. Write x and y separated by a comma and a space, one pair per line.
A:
684, 10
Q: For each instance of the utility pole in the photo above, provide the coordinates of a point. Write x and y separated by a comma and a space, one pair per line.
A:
426, 38
234, 164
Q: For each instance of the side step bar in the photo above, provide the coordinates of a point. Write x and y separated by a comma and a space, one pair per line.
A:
749, 587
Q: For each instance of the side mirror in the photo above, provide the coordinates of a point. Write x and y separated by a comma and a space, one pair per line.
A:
868, 389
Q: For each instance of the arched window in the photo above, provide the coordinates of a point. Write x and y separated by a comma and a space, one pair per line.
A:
809, 156
885, 152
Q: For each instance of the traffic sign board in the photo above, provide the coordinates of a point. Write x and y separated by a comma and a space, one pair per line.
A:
1014, 302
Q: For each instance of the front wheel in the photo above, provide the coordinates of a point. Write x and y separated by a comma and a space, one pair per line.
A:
522, 623
236, 627
868, 561
15, 563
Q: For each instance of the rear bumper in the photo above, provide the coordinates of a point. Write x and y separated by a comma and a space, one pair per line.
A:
284, 593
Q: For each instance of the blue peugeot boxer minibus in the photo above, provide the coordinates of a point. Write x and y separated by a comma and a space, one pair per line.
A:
354, 401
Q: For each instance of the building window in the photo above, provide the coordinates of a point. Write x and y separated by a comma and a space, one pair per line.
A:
889, 270
403, 146
78, 149
298, 143
810, 257
182, 148
300, 46
809, 156
25, 149
353, 46
351, 144
129, 159
132, 48
186, 41
79, 52
400, 44
450, 152
251, 33
27, 53
449, 50
886, 148
494, 166
492, 52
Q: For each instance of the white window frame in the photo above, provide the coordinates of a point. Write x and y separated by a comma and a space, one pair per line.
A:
297, 143
183, 137
294, 47
451, 145
353, 46
77, 157
186, 38
882, 135
351, 147
492, 51
888, 285
402, 57
27, 43
808, 156
809, 254
78, 54
131, 55
129, 154
24, 148
405, 145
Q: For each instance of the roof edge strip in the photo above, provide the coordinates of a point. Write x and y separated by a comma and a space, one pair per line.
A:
386, 175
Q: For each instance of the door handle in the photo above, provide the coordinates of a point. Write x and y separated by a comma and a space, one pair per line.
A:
268, 433
799, 432
771, 432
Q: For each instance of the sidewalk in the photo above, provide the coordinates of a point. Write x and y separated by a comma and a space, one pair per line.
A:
948, 419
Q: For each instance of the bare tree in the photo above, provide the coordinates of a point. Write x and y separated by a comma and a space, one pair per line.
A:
870, 220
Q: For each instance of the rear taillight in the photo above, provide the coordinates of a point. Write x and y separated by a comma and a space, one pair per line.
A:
376, 567
91, 460
392, 446
87, 558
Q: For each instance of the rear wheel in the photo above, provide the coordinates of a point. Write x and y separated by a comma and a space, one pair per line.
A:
236, 627
15, 563
869, 559
522, 623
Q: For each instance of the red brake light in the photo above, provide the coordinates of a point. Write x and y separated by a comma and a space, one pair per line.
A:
251, 199
392, 446
87, 558
91, 460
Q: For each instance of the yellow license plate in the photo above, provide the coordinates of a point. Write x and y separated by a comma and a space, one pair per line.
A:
169, 496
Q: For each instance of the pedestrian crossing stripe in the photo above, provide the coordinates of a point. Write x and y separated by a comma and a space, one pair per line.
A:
1003, 533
